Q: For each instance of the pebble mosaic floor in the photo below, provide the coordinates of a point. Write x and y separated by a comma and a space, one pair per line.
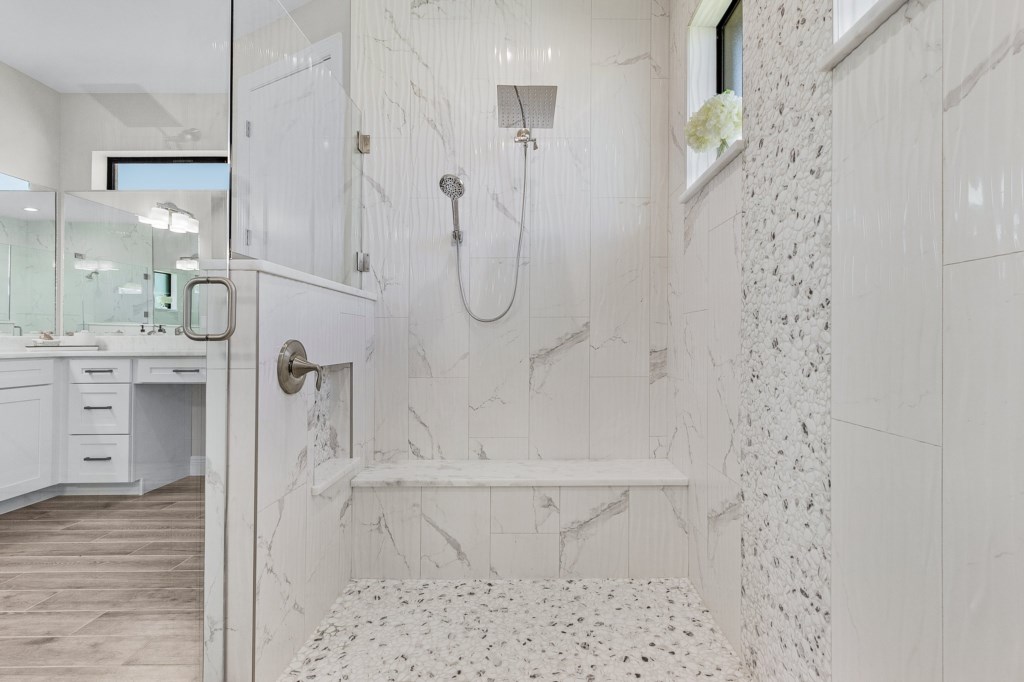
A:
504, 630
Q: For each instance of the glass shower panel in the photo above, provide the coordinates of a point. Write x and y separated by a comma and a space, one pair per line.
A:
298, 173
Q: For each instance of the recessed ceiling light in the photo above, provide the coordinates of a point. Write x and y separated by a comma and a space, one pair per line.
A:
31, 210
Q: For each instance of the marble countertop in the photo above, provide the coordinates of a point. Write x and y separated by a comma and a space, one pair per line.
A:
57, 352
495, 473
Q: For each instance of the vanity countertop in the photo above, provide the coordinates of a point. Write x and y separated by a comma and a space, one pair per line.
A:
58, 352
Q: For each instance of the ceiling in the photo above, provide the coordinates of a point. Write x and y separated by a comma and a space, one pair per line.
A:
156, 46
14, 203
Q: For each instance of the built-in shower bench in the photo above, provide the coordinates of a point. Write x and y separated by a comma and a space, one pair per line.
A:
529, 473
520, 519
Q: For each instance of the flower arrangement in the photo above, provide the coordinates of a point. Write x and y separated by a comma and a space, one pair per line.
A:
717, 124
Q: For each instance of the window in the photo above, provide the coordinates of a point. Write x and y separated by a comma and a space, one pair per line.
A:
165, 290
729, 43
168, 172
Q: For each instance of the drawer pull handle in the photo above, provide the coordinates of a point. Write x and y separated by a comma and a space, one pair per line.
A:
97, 459
96, 407
98, 371
185, 371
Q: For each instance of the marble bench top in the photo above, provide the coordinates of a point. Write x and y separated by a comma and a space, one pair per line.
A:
495, 473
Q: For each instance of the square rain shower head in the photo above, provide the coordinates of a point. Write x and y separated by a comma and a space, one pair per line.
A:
526, 106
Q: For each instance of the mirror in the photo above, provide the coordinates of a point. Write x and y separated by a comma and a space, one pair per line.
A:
129, 255
27, 274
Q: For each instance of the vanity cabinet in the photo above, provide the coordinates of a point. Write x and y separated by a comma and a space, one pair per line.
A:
119, 421
27, 426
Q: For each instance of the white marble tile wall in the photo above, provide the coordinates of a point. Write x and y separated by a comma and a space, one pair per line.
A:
704, 370
520, 532
301, 544
587, 336
928, 273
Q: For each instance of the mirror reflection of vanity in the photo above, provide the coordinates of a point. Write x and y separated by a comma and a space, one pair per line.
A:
113, 193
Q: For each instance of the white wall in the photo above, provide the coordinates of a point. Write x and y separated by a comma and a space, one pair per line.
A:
577, 369
134, 122
928, 487
29, 129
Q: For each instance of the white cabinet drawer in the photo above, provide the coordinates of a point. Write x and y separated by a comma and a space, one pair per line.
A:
99, 459
100, 371
99, 409
170, 371
18, 373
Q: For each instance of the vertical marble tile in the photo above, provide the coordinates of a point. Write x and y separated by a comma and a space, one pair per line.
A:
455, 533
438, 324
280, 579
658, 540
391, 390
660, 187
619, 418
659, 339
561, 49
886, 556
691, 455
438, 418
499, 448
982, 470
621, 82
983, 150
620, 288
560, 229
559, 388
724, 345
722, 577
328, 559
694, 266
386, 227
594, 530
381, 58
442, 9
622, 9
524, 510
386, 533
887, 230
532, 556
499, 376
659, 47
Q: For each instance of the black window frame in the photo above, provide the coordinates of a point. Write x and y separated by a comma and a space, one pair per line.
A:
720, 45
114, 161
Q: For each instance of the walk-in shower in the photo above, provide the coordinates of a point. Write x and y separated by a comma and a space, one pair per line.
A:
523, 107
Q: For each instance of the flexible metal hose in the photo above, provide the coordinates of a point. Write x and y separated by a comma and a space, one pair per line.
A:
519, 251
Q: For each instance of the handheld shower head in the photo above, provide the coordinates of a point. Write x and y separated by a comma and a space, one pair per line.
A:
453, 188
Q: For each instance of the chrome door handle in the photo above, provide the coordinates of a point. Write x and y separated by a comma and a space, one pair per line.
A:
292, 368
186, 312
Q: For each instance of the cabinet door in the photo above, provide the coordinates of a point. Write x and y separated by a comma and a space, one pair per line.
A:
26, 431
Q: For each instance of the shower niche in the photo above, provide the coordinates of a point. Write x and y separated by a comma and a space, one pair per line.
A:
329, 420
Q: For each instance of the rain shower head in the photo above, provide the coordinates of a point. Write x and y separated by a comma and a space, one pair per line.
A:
526, 106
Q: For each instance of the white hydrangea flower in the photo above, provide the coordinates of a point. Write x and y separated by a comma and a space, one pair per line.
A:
717, 124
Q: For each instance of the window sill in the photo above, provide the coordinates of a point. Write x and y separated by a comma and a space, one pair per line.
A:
860, 31
727, 157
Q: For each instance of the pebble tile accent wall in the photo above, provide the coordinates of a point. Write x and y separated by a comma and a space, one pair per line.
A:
786, 237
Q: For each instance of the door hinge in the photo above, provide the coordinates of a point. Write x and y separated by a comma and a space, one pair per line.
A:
362, 142
362, 261
248, 128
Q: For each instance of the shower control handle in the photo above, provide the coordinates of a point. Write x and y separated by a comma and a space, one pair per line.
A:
292, 368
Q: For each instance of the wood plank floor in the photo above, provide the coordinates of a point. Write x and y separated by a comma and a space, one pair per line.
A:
104, 587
